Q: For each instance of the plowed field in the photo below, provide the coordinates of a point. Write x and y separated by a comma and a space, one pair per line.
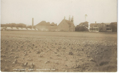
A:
30, 51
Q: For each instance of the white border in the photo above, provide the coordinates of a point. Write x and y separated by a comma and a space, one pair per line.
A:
70, 72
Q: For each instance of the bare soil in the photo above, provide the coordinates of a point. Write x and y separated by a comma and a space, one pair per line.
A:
31, 51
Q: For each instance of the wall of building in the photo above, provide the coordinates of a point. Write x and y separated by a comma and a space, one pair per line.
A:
71, 27
114, 26
103, 27
46, 26
63, 26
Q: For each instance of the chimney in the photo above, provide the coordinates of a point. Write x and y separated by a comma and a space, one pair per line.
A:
32, 22
72, 20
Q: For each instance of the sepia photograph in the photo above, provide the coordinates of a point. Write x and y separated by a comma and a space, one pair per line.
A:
59, 35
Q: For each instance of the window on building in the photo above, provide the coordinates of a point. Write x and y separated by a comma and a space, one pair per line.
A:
91, 28
108, 28
107, 25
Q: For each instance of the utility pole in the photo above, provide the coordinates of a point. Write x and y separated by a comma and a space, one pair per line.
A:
32, 22
64, 17
85, 16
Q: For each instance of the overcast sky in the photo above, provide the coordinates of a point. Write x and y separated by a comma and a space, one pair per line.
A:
22, 11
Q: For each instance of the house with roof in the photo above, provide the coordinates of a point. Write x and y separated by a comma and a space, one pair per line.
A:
113, 26
11, 28
46, 26
108, 27
94, 27
100, 27
66, 25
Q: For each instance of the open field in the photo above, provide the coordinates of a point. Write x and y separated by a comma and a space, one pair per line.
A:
58, 51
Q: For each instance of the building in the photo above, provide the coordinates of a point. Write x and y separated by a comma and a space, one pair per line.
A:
108, 27
66, 25
46, 26
53, 27
114, 26
100, 27
3, 27
94, 27
42, 26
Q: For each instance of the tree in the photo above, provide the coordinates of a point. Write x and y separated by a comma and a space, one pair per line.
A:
3, 25
21, 25
82, 27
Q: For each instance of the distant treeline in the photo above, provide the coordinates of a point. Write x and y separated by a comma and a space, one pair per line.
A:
81, 28
20, 25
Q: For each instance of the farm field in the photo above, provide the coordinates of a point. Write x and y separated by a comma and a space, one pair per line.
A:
33, 51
